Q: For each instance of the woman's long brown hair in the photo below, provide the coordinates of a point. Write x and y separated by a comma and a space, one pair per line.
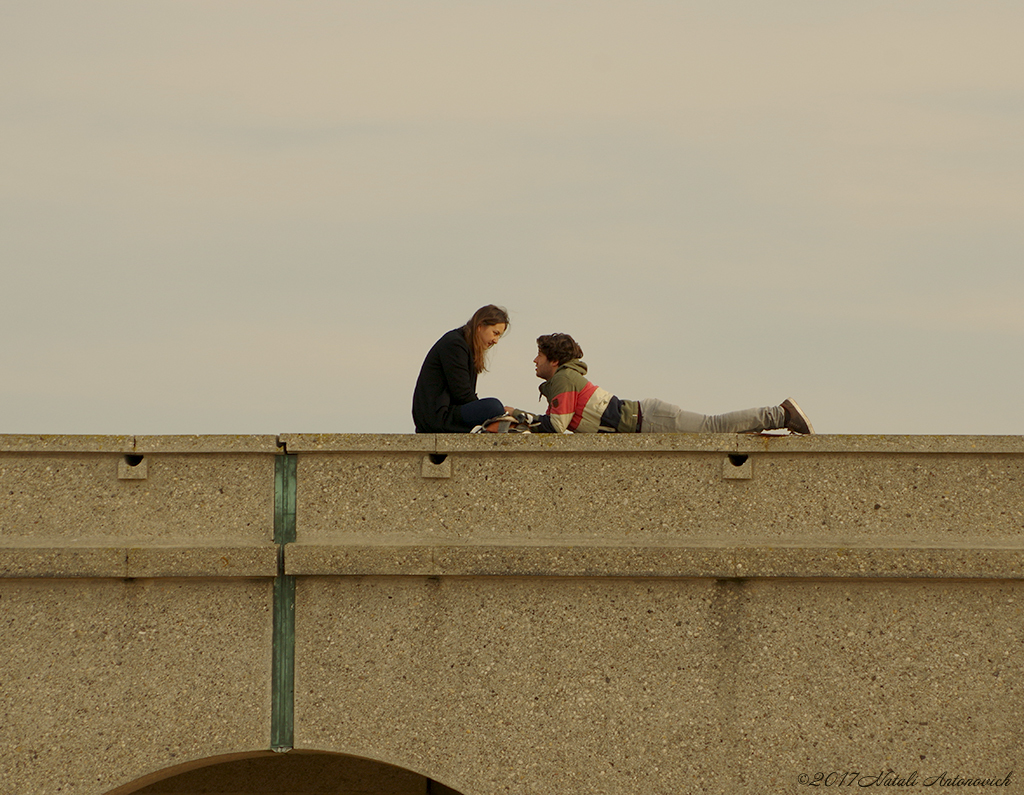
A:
489, 315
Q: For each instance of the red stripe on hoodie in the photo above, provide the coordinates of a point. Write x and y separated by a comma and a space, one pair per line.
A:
582, 397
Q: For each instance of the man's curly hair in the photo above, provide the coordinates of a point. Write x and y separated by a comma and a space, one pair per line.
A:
559, 348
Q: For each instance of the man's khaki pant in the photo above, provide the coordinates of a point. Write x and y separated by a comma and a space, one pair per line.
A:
661, 417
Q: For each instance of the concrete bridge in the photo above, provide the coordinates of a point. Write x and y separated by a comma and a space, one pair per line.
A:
510, 614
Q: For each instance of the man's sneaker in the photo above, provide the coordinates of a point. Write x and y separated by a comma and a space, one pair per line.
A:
796, 420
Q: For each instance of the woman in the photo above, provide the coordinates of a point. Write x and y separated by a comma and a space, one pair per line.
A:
445, 399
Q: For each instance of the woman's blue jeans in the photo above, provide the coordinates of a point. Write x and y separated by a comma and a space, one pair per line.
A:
479, 411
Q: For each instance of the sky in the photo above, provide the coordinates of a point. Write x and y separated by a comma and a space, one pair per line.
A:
257, 217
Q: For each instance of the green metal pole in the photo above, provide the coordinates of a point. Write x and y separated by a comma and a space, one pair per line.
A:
282, 708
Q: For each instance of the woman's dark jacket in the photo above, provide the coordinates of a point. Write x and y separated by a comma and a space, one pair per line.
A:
447, 380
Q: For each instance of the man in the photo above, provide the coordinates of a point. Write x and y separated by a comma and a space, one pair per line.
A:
577, 405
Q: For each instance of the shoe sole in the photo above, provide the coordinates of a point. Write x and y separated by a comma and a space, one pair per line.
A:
798, 413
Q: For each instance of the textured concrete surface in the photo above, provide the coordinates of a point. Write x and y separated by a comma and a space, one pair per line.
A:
104, 679
29, 443
78, 495
21, 558
660, 614
670, 488
433, 558
662, 686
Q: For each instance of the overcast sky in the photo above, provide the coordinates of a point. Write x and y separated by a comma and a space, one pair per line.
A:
257, 217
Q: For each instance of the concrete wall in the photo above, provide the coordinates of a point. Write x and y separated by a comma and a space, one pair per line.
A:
136, 612
606, 614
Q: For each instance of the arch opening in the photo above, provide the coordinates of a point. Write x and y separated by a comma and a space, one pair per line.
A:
293, 773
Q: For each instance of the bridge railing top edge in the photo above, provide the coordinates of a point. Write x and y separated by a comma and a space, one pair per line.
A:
641, 443
511, 443
176, 443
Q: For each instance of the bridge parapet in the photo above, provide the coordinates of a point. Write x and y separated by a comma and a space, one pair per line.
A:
597, 505
145, 506
672, 505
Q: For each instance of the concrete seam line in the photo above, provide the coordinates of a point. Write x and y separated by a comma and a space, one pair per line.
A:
282, 711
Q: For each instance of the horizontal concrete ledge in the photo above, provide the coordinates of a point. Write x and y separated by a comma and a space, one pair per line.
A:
359, 442
512, 560
643, 443
28, 443
718, 562
207, 444
512, 443
63, 561
139, 444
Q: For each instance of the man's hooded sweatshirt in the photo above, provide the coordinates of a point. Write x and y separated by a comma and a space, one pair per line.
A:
577, 405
